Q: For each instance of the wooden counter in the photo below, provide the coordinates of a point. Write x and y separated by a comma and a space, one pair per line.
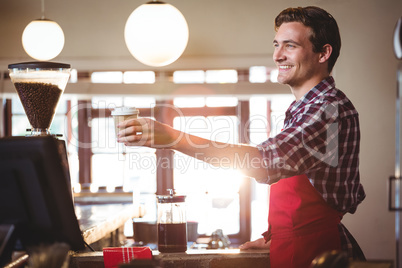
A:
226, 258
100, 221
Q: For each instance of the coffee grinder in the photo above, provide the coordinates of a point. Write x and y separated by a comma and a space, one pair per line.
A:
39, 86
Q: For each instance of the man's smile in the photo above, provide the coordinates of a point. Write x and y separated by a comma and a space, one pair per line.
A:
285, 67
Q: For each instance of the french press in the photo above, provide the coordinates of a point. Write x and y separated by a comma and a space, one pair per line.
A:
172, 223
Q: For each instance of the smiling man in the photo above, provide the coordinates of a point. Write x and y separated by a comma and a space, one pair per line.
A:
319, 145
312, 165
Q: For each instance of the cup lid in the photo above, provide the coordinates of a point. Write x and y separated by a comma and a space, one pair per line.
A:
125, 111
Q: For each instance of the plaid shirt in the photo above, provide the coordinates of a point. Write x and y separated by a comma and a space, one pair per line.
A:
321, 138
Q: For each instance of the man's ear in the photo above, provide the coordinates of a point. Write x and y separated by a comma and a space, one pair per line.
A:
326, 53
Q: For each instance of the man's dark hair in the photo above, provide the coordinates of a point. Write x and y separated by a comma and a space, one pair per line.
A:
324, 28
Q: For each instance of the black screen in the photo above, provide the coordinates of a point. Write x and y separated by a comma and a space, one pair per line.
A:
35, 192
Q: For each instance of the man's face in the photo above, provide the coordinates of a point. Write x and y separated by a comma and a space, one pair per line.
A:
294, 56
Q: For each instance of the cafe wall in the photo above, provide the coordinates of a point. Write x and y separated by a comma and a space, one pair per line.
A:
239, 33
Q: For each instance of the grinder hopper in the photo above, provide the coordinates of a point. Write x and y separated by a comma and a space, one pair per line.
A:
39, 86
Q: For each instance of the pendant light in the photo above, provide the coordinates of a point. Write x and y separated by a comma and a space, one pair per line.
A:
156, 33
43, 39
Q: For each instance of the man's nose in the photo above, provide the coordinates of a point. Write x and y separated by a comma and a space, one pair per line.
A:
279, 54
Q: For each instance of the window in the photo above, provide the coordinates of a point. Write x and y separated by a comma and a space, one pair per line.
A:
221, 76
116, 77
213, 193
262, 108
107, 77
214, 196
194, 77
209, 76
113, 164
143, 77
258, 74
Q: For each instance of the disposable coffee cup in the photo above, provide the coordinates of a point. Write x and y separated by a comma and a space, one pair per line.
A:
121, 114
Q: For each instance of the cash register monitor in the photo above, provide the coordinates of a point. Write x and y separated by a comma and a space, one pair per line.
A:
35, 193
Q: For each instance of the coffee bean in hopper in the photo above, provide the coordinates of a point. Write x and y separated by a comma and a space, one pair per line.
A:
39, 101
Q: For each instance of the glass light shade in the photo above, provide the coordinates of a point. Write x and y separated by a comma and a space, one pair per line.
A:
156, 34
43, 39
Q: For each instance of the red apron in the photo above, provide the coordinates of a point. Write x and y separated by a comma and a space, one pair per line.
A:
302, 225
